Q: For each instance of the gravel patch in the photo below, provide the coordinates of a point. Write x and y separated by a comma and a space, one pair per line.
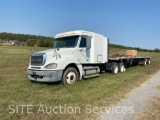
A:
135, 102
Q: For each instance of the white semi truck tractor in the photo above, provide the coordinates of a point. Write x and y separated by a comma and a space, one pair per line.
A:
76, 55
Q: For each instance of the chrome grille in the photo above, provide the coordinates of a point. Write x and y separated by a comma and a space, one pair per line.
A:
38, 59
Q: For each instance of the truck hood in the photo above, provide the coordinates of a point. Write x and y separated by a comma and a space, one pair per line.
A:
62, 51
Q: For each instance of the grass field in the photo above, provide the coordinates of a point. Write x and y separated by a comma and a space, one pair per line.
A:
105, 90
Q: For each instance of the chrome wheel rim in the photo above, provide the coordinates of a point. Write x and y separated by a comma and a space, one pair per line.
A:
116, 70
71, 78
145, 63
122, 68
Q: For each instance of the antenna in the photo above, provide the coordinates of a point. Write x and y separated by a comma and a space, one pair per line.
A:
87, 21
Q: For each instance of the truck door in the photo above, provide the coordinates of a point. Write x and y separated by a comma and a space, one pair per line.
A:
84, 49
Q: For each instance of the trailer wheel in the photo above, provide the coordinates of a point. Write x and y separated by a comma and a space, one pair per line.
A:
124, 69
145, 62
70, 76
121, 67
114, 68
149, 61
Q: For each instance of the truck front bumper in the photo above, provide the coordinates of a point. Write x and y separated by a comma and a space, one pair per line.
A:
45, 75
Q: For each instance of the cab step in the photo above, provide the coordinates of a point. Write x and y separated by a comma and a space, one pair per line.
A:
89, 76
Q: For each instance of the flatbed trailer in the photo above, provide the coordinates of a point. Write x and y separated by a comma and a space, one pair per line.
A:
122, 62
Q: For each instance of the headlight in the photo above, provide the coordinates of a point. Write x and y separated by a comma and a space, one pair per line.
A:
51, 66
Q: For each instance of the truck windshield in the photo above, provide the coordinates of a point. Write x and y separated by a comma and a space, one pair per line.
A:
64, 42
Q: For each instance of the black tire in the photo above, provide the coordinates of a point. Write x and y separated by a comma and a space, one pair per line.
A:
121, 67
114, 68
70, 76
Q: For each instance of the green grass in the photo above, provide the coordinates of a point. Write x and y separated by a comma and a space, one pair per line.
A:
105, 90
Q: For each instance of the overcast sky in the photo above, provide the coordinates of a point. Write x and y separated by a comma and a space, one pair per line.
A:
127, 22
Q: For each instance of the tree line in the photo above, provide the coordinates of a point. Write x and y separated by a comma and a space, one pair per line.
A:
134, 48
43, 41
29, 40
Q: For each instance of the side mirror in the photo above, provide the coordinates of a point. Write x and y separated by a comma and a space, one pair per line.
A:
32, 51
88, 42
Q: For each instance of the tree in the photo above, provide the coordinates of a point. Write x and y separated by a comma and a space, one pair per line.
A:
31, 42
21, 37
45, 43
157, 50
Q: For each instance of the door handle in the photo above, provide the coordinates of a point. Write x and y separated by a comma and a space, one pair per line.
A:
82, 49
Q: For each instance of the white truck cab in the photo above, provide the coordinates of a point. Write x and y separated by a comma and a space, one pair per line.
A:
76, 55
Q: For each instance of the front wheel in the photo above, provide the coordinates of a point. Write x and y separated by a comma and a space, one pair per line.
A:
70, 76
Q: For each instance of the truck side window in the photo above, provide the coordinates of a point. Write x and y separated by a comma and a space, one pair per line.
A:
83, 42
